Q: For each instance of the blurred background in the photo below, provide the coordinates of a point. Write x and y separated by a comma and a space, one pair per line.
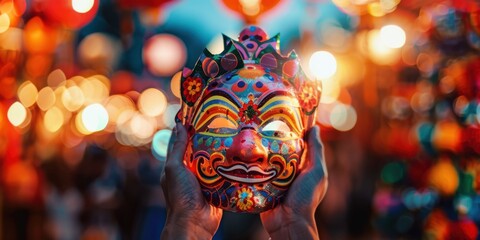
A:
89, 90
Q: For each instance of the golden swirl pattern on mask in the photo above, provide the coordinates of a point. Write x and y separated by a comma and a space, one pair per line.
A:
204, 170
286, 177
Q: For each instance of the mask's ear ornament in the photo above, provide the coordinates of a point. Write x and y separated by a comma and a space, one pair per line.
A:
247, 110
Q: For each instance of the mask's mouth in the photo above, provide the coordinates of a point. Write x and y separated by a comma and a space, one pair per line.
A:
244, 174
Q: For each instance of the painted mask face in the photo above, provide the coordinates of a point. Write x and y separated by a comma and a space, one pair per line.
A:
247, 110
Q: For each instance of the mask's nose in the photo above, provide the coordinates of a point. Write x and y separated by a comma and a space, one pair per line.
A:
247, 147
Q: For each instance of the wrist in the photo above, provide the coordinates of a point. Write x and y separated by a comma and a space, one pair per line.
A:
297, 227
184, 227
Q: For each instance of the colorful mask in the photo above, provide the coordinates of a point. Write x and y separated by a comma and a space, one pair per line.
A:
247, 110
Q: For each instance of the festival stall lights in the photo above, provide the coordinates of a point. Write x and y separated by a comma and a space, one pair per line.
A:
435, 106
86, 102
250, 10
98, 51
81, 106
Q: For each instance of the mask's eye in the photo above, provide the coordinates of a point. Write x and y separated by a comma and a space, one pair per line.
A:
221, 125
276, 125
277, 128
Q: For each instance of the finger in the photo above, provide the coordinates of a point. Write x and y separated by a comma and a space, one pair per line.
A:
171, 141
178, 150
315, 151
163, 184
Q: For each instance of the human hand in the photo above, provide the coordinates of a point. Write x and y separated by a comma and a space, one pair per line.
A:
189, 216
294, 217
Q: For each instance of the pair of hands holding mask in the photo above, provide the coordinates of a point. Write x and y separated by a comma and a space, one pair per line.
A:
189, 216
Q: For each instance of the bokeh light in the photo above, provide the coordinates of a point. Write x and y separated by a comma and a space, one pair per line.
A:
80, 125
12, 39
152, 102
343, 117
444, 177
322, 64
169, 115
425, 63
53, 119
56, 78
142, 127
94, 117
94, 89
323, 113
73, 98
99, 51
71, 14
116, 105
4, 22
392, 36
381, 8
250, 7
135, 129
82, 6
160, 144
39, 37
175, 84
393, 172
46, 98
380, 53
447, 136
16, 114
463, 204
164, 54
27, 93
375, 9
330, 91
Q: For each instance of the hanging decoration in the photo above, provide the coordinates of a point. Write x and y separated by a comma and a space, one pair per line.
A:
71, 14
250, 10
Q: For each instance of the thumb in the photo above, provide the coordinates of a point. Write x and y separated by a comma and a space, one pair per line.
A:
176, 154
315, 151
